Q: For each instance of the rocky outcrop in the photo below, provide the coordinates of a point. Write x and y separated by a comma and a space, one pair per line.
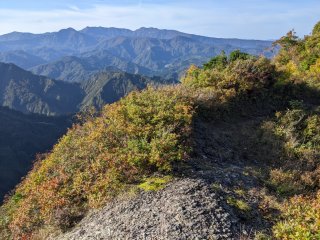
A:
185, 209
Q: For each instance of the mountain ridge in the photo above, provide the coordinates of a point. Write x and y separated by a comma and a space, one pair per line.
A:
29, 93
22, 90
171, 32
145, 50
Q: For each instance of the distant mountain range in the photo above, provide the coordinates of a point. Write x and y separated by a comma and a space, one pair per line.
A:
74, 56
29, 93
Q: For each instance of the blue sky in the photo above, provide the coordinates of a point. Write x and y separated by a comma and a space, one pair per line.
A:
250, 19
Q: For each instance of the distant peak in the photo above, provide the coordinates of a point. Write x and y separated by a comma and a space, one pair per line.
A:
68, 30
104, 28
147, 28
15, 33
10, 67
94, 27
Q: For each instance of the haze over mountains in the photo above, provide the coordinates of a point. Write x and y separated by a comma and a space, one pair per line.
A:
147, 51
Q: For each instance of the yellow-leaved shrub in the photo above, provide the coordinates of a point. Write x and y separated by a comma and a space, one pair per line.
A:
301, 219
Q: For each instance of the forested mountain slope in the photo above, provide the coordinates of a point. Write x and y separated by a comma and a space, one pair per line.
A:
23, 91
21, 58
110, 86
76, 69
21, 138
149, 56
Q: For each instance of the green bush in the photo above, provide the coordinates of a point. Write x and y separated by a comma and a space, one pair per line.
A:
218, 62
299, 58
238, 55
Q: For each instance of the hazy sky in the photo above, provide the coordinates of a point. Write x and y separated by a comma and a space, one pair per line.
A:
253, 19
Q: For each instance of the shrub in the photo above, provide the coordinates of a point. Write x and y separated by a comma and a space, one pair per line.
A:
238, 55
242, 75
239, 204
299, 127
141, 134
218, 62
300, 219
298, 58
316, 29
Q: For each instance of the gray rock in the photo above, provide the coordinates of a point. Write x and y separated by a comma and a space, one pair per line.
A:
185, 209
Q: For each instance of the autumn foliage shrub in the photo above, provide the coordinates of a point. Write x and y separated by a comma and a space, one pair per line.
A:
299, 128
299, 58
241, 74
298, 170
297, 175
141, 134
292, 76
301, 219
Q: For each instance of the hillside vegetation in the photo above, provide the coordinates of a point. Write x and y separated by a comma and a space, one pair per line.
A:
299, 127
264, 116
132, 139
290, 87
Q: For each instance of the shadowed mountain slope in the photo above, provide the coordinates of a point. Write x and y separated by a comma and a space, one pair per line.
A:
23, 91
26, 92
21, 138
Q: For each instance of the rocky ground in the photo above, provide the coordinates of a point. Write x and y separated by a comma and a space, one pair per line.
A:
185, 209
217, 194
